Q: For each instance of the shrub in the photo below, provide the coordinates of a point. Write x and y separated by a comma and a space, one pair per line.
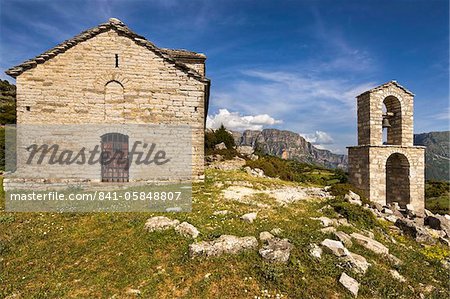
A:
353, 213
220, 135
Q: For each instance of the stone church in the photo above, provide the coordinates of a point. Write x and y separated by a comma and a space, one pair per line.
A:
110, 75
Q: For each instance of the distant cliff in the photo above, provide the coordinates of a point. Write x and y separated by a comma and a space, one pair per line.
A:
289, 145
437, 157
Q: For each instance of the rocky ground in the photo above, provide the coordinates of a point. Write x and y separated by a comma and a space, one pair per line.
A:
248, 236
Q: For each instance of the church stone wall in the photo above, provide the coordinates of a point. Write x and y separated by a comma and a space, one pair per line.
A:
83, 85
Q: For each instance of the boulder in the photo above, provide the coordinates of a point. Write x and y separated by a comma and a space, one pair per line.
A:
220, 146
410, 210
397, 275
160, 223
335, 247
249, 217
254, 172
325, 221
276, 250
353, 198
315, 251
394, 206
221, 213
234, 164
391, 218
427, 213
419, 233
187, 230
387, 211
357, 262
377, 206
276, 231
394, 260
265, 236
438, 222
370, 244
350, 284
344, 238
327, 230
245, 150
225, 244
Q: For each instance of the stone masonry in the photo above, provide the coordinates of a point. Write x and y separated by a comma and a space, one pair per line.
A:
110, 75
394, 170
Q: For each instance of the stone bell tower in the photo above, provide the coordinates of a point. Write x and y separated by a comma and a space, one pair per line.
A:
385, 165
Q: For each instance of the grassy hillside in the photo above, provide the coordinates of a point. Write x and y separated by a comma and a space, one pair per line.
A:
45, 255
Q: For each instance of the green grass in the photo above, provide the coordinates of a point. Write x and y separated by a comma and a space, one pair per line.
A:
437, 196
99, 255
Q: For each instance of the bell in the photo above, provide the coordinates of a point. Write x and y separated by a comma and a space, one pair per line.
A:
386, 123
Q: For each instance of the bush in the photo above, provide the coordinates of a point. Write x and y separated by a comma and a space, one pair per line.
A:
220, 135
353, 213
436, 189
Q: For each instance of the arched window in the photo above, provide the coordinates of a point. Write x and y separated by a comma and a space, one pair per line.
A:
114, 100
392, 121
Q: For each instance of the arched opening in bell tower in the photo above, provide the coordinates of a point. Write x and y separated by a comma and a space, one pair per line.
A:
392, 121
397, 180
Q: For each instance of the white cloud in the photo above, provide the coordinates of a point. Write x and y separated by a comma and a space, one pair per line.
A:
236, 121
318, 138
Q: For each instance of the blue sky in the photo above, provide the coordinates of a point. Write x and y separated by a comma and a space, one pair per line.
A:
294, 65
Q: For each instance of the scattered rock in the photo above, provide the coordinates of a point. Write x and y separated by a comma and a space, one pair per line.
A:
327, 230
160, 223
234, 164
276, 250
245, 150
410, 210
391, 218
315, 251
370, 244
249, 217
344, 238
276, 231
224, 244
412, 229
394, 206
253, 157
135, 292
377, 206
353, 198
335, 247
187, 230
397, 275
427, 213
254, 172
394, 260
221, 213
325, 221
220, 146
438, 222
265, 236
357, 262
387, 211
350, 284
325, 208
